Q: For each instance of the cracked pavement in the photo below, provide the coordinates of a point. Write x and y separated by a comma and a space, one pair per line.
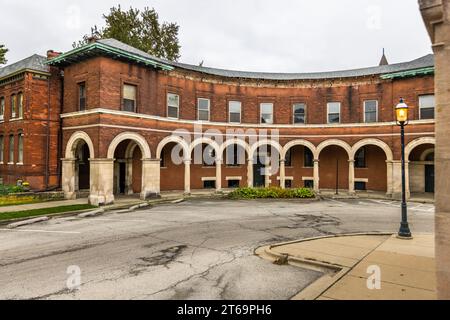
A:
198, 249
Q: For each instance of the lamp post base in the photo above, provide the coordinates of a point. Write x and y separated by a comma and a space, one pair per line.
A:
404, 232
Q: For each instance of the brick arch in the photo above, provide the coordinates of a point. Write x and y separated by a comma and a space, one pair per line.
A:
333, 142
172, 139
417, 142
137, 138
375, 142
299, 142
73, 143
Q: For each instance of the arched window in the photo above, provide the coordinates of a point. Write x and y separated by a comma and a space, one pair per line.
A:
2, 108
11, 149
2, 146
13, 106
20, 105
20, 148
360, 158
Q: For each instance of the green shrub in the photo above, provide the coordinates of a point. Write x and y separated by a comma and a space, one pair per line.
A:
271, 193
7, 189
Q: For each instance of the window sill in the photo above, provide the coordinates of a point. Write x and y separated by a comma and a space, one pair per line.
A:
10, 163
15, 119
19, 164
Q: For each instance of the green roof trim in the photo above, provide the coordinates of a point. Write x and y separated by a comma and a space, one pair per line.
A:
408, 73
96, 46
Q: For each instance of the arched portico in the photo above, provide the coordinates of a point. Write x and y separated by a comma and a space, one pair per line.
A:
298, 164
419, 155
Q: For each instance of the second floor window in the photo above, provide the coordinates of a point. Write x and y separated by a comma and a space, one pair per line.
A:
82, 96
235, 112
203, 106
2, 146
370, 111
11, 149
13, 106
2, 108
426, 106
20, 105
267, 113
173, 105
129, 98
334, 112
299, 113
20, 147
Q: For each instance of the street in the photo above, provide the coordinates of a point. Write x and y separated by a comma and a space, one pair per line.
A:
197, 249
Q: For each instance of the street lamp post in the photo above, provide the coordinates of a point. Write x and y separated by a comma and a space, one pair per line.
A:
401, 112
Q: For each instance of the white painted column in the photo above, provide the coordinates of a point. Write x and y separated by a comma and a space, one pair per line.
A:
408, 189
150, 178
187, 176
101, 181
351, 177
218, 175
316, 176
283, 173
68, 178
250, 173
397, 179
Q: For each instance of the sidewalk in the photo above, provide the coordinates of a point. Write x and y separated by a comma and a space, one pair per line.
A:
407, 266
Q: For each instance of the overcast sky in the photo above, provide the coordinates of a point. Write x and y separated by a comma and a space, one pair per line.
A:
254, 35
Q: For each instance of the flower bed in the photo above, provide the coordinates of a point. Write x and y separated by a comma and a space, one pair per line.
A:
272, 193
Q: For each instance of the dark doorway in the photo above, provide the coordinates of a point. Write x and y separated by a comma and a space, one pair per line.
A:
429, 178
259, 179
83, 168
122, 173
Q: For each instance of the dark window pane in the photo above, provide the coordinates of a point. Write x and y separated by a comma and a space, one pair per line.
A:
209, 184
203, 115
308, 158
288, 159
299, 118
360, 186
360, 158
235, 117
128, 105
309, 184
233, 183
427, 113
172, 112
288, 184
333, 118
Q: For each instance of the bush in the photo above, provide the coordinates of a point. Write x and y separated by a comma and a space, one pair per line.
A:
271, 193
6, 189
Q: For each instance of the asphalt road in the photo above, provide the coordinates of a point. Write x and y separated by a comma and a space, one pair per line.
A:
198, 249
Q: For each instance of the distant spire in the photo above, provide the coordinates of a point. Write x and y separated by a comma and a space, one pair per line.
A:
383, 61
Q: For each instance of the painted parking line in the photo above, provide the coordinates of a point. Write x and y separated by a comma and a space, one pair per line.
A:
41, 231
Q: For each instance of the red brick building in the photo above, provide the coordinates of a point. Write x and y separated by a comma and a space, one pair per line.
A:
135, 124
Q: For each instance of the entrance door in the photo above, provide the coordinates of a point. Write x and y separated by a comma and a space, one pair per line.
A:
429, 178
122, 173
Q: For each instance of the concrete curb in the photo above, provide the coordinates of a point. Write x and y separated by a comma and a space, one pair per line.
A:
93, 213
27, 222
331, 272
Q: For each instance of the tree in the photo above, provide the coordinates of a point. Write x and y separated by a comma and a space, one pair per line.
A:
3, 52
140, 29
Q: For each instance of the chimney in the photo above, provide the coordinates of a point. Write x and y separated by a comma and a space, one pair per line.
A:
52, 54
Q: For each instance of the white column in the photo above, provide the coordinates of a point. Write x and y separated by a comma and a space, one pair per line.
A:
150, 178
101, 181
389, 183
397, 179
283, 173
351, 177
250, 173
187, 176
218, 175
316, 176
68, 178
408, 190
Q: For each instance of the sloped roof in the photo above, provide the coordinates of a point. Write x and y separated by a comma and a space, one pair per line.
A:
35, 63
420, 63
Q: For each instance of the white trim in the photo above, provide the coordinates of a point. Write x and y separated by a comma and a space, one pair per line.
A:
364, 110
227, 124
19, 163
307, 178
361, 180
208, 179
328, 111
209, 109
233, 178
285, 178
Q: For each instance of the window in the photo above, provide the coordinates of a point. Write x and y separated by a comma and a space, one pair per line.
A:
360, 158
334, 112
210, 184
232, 184
288, 184
2, 146
309, 184
11, 149
267, 113
203, 106
233, 155
288, 159
173, 105
308, 158
299, 113
426, 106
235, 111
20, 147
2, 108
82, 96
129, 98
13, 106
360, 186
20, 105
370, 111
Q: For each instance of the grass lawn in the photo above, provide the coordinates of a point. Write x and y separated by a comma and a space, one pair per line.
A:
44, 211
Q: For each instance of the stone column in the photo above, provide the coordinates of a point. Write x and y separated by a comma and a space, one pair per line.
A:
68, 178
218, 175
187, 176
436, 15
101, 181
150, 178
389, 173
351, 177
316, 176
250, 173
397, 179
283, 174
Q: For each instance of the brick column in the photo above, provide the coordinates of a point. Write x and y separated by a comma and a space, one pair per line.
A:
150, 178
101, 181
68, 178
